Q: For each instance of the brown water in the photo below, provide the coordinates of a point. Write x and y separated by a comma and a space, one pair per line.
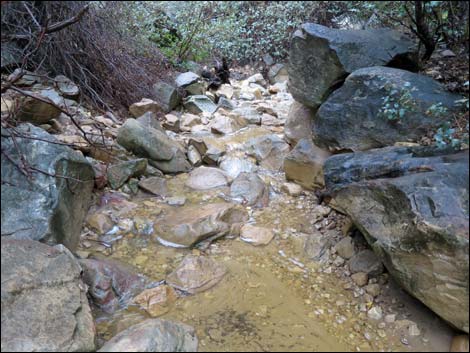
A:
272, 298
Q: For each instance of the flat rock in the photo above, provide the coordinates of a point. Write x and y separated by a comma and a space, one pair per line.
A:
155, 185
186, 79
256, 235
203, 178
156, 301
44, 302
144, 106
198, 104
154, 335
187, 225
196, 274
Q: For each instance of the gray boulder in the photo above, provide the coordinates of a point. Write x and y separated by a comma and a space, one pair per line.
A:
166, 95
41, 206
44, 302
411, 203
154, 335
353, 118
162, 152
321, 57
269, 151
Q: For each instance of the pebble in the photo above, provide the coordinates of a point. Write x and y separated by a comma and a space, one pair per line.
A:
390, 318
375, 313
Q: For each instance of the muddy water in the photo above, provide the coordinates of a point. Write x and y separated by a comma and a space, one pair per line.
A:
273, 298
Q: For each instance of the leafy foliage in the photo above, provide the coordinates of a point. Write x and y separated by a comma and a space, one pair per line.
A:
397, 103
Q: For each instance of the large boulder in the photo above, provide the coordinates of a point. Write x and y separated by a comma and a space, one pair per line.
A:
154, 335
44, 302
411, 203
162, 152
299, 123
304, 164
166, 95
51, 203
38, 111
320, 58
355, 116
186, 226
111, 284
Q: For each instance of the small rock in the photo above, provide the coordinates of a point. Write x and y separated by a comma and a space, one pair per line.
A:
366, 261
154, 185
145, 105
292, 189
390, 318
156, 301
373, 289
256, 235
345, 248
100, 222
375, 313
203, 178
413, 330
176, 201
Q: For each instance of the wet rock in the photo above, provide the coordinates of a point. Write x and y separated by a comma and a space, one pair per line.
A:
233, 165
351, 118
44, 303
176, 201
375, 313
203, 178
408, 203
156, 301
226, 125
278, 73
345, 248
292, 189
360, 278
185, 79
164, 153
155, 185
111, 285
166, 95
366, 261
119, 173
459, 344
256, 235
45, 208
144, 106
304, 164
321, 57
100, 222
299, 123
154, 335
196, 274
188, 225
249, 189
269, 151
66, 86
199, 104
